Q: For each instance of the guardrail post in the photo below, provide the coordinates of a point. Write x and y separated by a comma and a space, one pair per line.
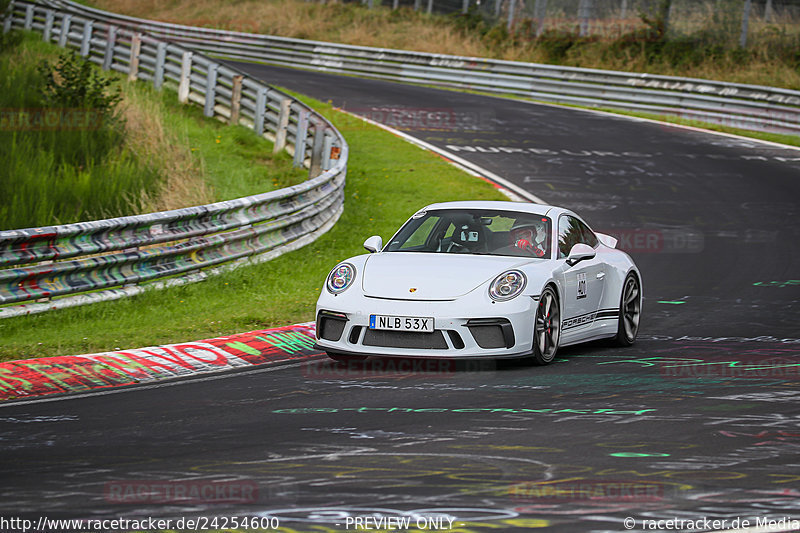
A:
236, 99
161, 58
539, 15
186, 77
417, 4
624, 10
283, 125
261, 104
326, 152
9, 17
430, 7
511, 9
111, 42
136, 48
48, 25
211, 89
464, 7
395, 4
66, 22
315, 169
584, 14
664, 11
28, 16
768, 12
300, 139
86, 40
748, 5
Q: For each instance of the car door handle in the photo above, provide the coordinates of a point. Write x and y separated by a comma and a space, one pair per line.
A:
601, 275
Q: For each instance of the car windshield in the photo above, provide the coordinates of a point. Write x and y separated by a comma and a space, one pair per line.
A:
484, 232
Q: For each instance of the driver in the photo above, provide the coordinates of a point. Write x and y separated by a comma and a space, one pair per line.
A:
530, 237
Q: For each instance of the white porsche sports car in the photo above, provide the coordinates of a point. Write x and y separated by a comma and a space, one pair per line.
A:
480, 279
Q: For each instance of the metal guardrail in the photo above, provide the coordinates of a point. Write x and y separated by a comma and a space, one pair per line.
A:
62, 266
752, 107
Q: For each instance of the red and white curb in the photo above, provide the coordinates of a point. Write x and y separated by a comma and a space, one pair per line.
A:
29, 378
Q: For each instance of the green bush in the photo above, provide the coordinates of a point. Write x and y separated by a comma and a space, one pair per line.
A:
74, 82
72, 168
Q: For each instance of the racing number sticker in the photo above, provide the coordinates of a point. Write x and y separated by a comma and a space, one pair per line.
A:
582, 285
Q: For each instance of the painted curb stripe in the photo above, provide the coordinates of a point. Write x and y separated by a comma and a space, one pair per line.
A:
80, 373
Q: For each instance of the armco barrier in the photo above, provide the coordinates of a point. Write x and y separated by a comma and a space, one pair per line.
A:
60, 266
745, 106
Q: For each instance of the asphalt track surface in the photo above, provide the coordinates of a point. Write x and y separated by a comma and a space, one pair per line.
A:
699, 420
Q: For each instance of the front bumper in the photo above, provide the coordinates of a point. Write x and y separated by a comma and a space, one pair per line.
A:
463, 328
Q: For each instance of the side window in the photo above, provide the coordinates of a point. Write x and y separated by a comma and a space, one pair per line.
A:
569, 234
572, 231
587, 235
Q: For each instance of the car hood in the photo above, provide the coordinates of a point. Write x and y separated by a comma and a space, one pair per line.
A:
430, 276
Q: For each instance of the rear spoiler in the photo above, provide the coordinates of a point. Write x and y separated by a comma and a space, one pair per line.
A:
608, 240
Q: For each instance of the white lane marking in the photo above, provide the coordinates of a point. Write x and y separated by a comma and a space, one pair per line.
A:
456, 161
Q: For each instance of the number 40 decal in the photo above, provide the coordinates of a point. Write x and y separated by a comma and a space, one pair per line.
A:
582, 285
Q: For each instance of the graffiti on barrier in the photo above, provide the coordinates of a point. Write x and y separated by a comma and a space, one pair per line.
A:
77, 373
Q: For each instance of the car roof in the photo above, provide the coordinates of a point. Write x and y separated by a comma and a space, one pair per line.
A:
522, 207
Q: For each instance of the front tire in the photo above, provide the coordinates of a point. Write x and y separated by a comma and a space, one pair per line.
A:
630, 311
546, 328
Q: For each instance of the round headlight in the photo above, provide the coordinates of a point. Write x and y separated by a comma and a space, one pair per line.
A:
507, 285
340, 278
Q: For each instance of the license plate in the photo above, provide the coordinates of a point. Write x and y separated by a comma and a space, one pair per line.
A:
401, 323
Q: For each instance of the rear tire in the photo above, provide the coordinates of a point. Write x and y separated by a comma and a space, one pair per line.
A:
546, 328
630, 311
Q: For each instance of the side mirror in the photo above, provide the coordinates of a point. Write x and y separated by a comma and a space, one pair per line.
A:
580, 252
373, 244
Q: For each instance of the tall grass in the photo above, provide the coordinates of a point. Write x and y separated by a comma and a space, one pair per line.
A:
63, 171
154, 155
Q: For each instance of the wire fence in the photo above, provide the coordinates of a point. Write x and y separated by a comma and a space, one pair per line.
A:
736, 20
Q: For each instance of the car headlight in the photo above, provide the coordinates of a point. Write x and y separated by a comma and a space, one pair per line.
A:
507, 285
340, 278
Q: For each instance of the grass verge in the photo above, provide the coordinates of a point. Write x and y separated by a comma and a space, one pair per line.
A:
387, 180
